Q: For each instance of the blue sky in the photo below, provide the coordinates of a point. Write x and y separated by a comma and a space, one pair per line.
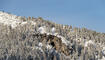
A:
79, 13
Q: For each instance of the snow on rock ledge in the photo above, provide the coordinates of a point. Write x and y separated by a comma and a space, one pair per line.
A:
42, 30
63, 39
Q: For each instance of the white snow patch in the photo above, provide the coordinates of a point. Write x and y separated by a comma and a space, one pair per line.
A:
49, 46
12, 20
89, 42
40, 44
48, 33
56, 34
53, 30
23, 23
39, 49
63, 39
33, 23
9, 19
42, 30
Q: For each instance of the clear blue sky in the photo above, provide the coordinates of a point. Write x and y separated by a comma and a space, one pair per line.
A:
79, 13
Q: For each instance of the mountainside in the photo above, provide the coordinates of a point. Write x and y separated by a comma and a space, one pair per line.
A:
32, 38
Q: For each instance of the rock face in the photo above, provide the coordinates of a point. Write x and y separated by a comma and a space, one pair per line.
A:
37, 39
54, 41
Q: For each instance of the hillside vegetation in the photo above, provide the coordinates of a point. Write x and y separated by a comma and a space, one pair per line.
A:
32, 38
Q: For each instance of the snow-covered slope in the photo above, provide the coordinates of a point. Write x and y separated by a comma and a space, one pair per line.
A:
38, 39
12, 20
9, 19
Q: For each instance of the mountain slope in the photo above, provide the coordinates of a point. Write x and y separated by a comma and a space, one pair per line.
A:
32, 38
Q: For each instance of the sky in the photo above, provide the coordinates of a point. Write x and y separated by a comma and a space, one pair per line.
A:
78, 13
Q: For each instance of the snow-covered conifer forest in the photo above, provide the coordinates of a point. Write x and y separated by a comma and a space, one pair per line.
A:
23, 38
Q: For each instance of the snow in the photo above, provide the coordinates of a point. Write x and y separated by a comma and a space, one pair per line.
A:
48, 46
55, 34
39, 48
89, 42
53, 30
33, 23
42, 29
12, 20
63, 39
8, 19
40, 44
23, 23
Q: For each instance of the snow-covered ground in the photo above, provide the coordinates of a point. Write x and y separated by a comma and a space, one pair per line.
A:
9, 19
12, 20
